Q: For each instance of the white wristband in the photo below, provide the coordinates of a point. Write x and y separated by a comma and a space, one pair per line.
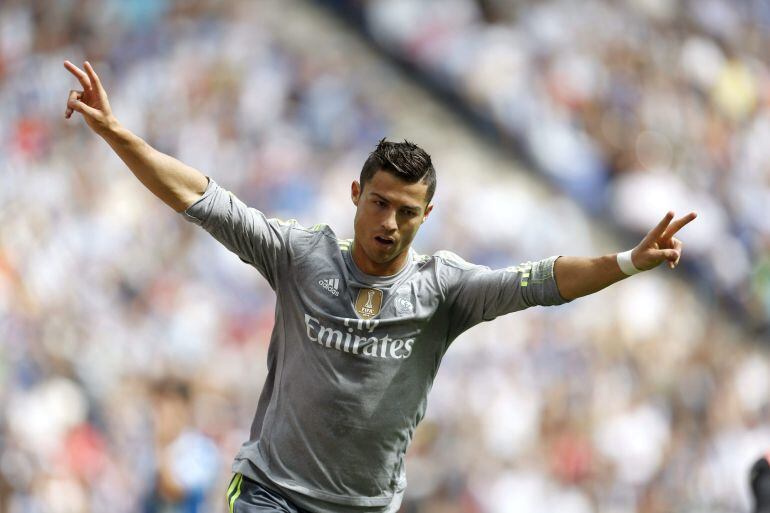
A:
626, 265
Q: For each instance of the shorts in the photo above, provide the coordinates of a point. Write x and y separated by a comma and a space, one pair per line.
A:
247, 496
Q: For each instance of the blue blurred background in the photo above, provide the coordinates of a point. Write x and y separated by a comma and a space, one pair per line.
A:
132, 345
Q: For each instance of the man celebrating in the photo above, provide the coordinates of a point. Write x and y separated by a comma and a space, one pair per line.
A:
361, 324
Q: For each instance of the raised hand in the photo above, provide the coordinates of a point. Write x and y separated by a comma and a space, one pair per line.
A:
660, 244
92, 101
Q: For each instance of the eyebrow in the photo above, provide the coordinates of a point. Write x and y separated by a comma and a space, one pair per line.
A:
383, 198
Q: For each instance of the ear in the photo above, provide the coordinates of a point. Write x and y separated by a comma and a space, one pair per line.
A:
355, 192
428, 210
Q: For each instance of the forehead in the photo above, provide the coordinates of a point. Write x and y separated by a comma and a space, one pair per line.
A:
395, 190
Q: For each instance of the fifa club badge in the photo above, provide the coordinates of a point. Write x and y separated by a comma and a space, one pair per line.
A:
368, 303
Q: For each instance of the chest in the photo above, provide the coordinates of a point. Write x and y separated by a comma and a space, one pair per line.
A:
324, 286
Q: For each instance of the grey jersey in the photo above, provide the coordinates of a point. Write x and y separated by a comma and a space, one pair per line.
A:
352, 356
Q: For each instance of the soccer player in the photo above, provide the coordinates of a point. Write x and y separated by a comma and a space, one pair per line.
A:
361, 325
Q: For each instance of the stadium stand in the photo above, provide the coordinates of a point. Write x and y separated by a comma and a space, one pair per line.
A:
132, 345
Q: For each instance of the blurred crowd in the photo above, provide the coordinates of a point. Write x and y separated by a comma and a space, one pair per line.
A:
133, 346
634, 107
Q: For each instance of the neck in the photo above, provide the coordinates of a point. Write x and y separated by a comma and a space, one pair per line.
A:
367, 266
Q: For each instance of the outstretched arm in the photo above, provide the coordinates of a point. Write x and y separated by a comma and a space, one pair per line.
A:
177, 184
579, 276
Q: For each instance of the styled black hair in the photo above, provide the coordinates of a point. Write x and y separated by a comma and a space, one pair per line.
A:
405, 160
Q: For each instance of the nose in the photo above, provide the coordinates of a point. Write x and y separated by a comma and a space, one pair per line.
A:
389, 223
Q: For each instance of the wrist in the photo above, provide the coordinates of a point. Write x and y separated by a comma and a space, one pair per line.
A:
110, 127
626, 263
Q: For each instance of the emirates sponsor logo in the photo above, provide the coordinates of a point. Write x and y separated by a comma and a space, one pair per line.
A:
358, 337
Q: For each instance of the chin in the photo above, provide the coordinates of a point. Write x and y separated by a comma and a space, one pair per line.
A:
380, 257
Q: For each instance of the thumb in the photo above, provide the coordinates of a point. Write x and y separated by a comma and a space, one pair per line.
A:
81, 107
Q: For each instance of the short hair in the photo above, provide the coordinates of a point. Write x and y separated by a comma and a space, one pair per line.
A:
405, 160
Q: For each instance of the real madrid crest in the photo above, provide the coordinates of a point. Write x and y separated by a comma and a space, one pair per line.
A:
404, 306
368, 303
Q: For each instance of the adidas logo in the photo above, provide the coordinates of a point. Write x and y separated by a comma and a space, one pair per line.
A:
332, 285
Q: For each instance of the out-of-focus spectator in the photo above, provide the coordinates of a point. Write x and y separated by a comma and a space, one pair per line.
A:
187, 462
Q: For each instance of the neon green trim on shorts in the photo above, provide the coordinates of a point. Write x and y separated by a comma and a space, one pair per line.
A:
239, 480
233, 482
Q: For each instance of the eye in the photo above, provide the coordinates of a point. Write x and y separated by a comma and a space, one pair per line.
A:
380, 203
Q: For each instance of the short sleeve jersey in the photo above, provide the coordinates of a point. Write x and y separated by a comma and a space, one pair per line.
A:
352, 356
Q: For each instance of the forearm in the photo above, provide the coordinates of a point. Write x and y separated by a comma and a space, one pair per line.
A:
580, 276
175, 183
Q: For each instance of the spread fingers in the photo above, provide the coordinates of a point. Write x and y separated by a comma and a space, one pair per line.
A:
79, 74
93, 77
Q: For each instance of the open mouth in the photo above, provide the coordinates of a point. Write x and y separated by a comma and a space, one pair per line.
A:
384, 241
